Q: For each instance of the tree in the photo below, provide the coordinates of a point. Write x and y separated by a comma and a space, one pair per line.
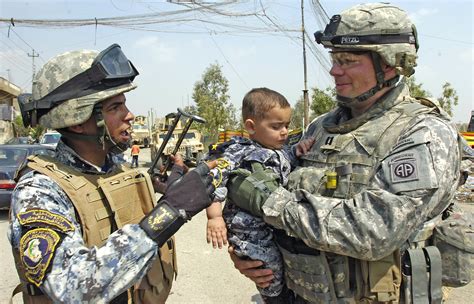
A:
297, 114
449, 99
416, 90
322, 101
212, 101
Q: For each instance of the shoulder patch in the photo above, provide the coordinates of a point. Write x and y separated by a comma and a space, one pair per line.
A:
37, 248
404, 168
217, 175
45, 219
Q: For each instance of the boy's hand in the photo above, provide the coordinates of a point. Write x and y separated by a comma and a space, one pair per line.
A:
216, 232
304, 146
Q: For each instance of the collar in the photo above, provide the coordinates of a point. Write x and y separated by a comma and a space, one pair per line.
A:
69, 157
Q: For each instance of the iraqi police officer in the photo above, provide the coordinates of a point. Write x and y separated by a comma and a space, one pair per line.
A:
83, 228
382, 169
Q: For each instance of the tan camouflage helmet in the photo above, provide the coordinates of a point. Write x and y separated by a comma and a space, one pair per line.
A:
73, 111
379, 27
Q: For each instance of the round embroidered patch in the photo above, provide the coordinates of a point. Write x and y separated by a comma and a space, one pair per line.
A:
36, 252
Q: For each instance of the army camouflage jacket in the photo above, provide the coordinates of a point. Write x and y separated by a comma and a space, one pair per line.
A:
240, 152
380, 217
79, 274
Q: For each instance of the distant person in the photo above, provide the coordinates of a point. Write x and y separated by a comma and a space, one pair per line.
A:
266, 116
135, 151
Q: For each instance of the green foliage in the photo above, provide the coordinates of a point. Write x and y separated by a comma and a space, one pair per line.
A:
21, 131
449, 99
416, 89
322, 101
212, 101
297, 114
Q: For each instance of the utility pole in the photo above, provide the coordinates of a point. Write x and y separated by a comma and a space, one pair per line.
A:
8, 75
34, 68
305, 90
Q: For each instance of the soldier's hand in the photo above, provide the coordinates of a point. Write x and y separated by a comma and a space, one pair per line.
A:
251, 269
192, 193
250, 190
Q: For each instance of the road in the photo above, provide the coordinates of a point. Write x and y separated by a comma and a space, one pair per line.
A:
205, 275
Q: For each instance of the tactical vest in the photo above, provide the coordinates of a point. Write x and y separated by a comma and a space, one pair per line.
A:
352, 156
105, 203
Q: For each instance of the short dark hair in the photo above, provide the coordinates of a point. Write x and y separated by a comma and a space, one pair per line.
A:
259, 101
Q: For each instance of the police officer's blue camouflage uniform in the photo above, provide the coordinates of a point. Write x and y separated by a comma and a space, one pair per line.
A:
79, 274
249, 235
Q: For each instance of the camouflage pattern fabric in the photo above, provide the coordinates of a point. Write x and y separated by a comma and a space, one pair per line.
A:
375, 19
385, 192
249, 234
59, 70
78, 274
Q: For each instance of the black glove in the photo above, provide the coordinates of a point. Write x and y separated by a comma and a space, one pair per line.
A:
192, 193
182, 200
162, 181
250, 190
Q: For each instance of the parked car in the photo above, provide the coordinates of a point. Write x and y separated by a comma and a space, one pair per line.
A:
11, 157
50, 139
18, 140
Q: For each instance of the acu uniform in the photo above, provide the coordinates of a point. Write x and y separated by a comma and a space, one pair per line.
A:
71, 223
397, 169
250, 235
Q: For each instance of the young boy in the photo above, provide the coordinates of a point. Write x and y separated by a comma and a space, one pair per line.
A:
266, 115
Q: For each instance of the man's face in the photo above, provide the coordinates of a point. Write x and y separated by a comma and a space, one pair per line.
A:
117, 117
353, 73
272, 130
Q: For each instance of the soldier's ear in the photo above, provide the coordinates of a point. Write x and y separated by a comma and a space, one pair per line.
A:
249, 126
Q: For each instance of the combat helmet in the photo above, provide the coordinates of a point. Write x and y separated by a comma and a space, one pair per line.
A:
380, 28
70, 87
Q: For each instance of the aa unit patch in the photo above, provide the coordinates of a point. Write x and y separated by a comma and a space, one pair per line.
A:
404, 168
36, 252
46, 219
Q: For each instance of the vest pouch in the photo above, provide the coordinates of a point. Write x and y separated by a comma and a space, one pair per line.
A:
156, 284
129, 188
454, 237
309, 276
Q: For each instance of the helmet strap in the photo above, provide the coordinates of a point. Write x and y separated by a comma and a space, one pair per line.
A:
381, 83
103, 135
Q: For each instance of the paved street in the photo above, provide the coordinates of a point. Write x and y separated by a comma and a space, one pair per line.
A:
205, 275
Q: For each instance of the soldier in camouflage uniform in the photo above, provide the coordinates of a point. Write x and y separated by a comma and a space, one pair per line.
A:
383, 168
83, 228
266, 115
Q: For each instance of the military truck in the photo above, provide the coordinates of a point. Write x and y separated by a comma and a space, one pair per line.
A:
140, 131
191, 148
469, 134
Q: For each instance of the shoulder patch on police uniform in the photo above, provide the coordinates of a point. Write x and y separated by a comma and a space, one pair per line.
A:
36, 252
217, 175
404, 168
46, 219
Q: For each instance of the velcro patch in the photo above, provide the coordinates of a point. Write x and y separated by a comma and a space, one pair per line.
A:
44, 218
404, 168
37, 248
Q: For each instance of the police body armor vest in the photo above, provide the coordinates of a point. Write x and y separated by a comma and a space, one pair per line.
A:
105, 203
354, 155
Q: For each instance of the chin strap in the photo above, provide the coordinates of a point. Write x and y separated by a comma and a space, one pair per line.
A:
102, 138
381, 83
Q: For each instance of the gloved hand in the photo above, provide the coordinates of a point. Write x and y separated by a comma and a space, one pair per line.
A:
181, 201
162, 181
192, 193
250, 190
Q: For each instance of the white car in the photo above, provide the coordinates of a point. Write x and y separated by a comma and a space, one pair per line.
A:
50, 139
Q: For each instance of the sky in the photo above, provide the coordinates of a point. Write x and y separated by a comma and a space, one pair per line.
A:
257, 42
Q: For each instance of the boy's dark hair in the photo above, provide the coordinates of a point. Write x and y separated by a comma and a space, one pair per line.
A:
259, 101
